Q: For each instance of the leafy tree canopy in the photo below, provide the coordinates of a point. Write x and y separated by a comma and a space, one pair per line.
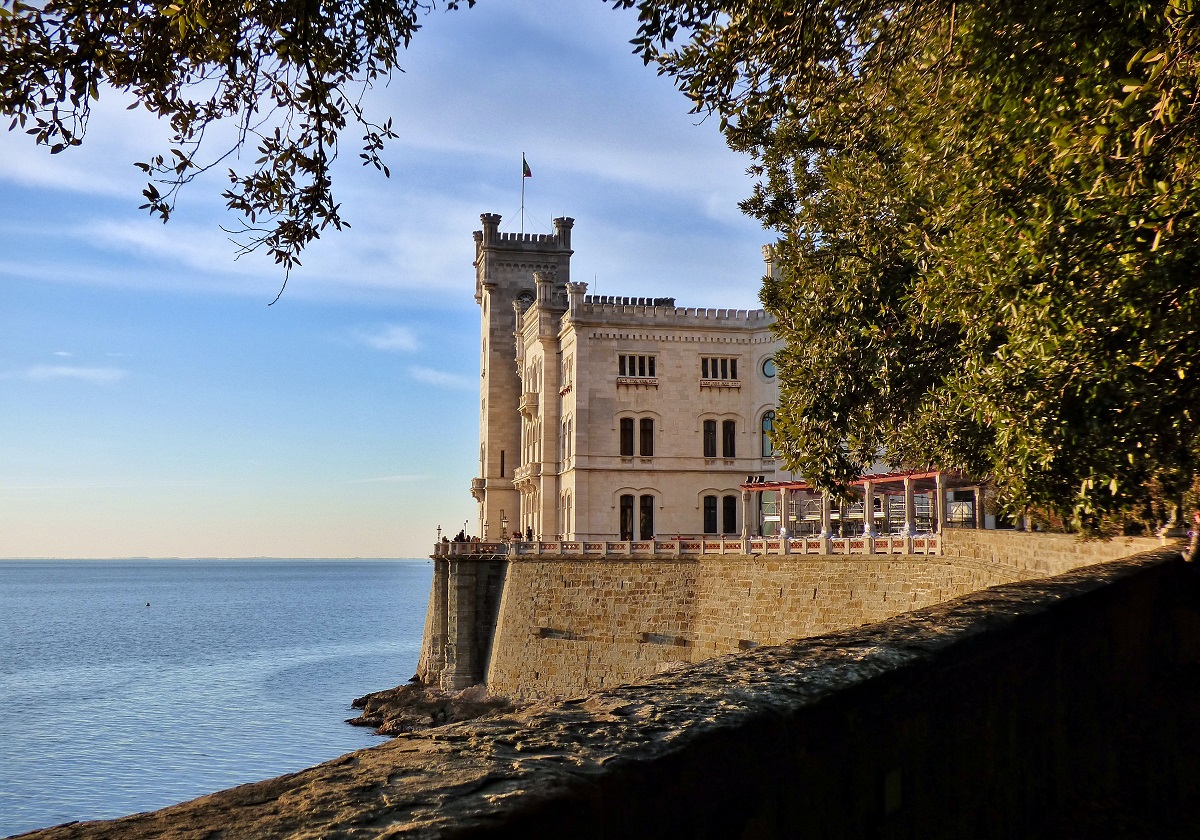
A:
987, 221
289, 74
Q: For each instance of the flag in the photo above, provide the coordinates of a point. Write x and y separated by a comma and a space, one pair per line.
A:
525, 173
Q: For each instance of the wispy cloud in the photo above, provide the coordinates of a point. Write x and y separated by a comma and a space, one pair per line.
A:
96, 375
63, 353
441, 378
389, 338
390, 479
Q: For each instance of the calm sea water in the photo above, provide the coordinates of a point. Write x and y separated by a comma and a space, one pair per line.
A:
235, 671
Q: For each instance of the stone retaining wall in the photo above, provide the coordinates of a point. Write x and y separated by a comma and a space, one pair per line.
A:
576, 624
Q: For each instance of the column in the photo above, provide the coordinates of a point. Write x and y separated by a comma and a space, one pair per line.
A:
910, 508
826, 519
868, 509
745, 521
980, 516
785, 496
938, 508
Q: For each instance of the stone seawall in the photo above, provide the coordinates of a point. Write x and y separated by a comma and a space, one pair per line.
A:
572, 625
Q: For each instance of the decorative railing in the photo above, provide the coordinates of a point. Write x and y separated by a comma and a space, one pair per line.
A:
925, 544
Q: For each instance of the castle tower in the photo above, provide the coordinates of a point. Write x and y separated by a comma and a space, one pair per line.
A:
504, 285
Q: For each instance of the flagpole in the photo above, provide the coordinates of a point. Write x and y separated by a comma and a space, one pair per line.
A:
522, 193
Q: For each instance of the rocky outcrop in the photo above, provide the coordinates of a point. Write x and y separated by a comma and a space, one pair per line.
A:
413, 707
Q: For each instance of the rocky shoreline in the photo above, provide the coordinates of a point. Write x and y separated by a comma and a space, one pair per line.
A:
416, 706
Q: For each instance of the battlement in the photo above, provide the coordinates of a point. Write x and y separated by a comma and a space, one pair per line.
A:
664, 312
492, 237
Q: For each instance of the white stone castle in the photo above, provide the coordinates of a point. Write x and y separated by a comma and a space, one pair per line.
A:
611, 418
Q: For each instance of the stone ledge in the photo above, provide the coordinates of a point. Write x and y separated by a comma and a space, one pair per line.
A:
846, 734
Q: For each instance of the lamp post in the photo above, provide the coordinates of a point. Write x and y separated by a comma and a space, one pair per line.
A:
503, 526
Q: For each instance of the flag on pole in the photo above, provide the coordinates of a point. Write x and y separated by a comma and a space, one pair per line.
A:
525, 173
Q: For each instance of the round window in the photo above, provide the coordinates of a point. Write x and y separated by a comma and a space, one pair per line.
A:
768, 368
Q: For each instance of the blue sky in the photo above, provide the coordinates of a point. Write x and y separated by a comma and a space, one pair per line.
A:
152, 404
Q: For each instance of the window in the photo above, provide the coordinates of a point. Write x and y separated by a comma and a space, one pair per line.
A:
626, 437
710, 438
710, 514
635, 366
646, 529
728, 438
647, 429
627, 517
720, 367
729, 515
768, 427
502, 463
768, 368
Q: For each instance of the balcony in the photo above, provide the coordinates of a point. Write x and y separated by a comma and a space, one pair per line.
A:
529, 404
478, 488
720, 383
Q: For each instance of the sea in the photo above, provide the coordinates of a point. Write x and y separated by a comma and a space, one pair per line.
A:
129, 685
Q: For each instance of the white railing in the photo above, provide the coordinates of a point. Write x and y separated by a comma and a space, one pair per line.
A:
698, 546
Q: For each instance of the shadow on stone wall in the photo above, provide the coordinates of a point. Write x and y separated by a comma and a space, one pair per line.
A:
1062, 707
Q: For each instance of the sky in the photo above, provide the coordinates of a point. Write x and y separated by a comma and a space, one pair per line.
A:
152, 404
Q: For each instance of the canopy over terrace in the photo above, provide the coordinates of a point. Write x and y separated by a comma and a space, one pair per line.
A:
901, 504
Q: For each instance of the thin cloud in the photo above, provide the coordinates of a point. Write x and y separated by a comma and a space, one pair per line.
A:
441, 379
95, 375
63, 353
390, 338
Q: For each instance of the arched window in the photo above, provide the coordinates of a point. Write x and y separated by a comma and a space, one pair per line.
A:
647, 435
768, 428
627, 438
710, 514
710, 438
728, 439
627, 517
646, 528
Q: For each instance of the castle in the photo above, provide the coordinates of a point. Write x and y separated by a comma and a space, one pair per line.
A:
612, 418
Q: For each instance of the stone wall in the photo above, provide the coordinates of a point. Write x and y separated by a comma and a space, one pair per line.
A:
572, 625
1038, 554
1033, 709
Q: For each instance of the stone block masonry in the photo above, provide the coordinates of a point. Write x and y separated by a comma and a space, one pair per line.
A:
570, 625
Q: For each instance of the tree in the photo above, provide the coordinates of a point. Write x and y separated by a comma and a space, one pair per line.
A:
987, 233
289, 74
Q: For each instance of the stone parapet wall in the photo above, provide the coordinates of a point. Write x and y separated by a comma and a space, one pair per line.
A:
571, 625
1038, 554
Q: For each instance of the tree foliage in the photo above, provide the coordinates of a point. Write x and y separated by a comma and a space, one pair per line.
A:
287, 74
987, 220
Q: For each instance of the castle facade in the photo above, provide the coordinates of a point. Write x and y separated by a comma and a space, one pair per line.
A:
612, 418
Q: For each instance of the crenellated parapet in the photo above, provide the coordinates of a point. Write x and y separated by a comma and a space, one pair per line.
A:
662, 312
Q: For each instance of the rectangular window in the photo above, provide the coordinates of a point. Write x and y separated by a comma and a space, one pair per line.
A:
710, 514
728, 438
719, 369
633, 366
502, 463
710, 438
647, 518
729, 515
647, 437
627, 437
627, 517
